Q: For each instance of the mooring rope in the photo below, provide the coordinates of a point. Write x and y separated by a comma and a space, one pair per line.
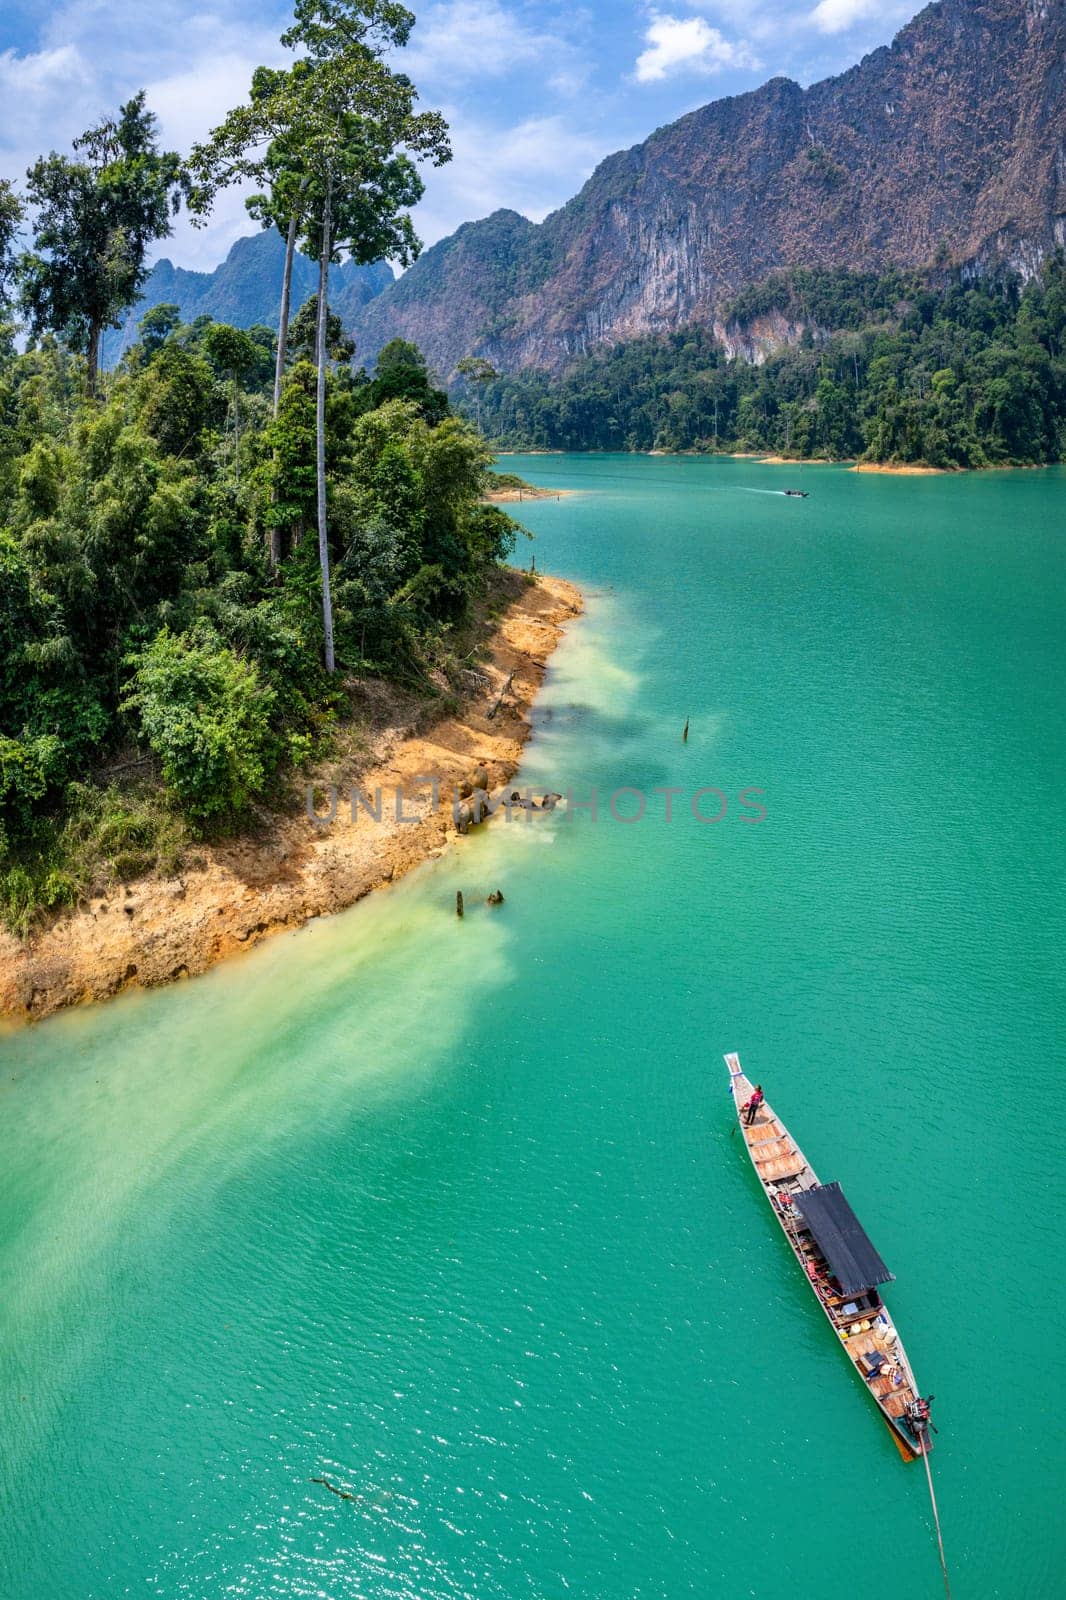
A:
936, 1515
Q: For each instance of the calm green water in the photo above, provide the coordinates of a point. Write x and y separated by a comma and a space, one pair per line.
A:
450, 1214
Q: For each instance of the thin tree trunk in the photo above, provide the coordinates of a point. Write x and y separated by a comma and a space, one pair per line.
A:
320, 424
93, 359
236, 432
283, 318
273, 533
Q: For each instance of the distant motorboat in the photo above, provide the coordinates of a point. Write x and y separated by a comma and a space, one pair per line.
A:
798, 494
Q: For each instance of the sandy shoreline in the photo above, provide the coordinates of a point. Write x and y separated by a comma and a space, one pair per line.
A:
893, 469
158, 930
900, 469
793, 461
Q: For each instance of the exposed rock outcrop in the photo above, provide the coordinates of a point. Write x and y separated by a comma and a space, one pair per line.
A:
947, 146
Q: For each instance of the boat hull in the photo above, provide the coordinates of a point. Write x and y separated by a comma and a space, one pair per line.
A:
862, 1324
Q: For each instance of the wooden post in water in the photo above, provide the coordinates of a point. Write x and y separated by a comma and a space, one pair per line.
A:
458, 902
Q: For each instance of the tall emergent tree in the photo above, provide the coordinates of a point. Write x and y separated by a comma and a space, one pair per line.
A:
97, 215
282, 206
345, 136
235, 151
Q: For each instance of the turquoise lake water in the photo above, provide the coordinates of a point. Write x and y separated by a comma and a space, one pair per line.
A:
449, 1213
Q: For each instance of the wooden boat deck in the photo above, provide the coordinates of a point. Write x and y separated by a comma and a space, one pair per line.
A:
862, 1322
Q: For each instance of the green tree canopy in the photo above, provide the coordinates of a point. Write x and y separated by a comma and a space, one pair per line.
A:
207, 716
303, 333
10, 219
401, 373
156, 326
96, 216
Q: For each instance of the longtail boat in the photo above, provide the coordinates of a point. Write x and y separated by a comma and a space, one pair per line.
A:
840, 1264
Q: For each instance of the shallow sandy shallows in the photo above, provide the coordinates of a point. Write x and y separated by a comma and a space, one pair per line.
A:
530, 492
158, 930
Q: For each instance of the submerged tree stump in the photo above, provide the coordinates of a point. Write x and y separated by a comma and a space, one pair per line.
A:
500, 697
332, 1487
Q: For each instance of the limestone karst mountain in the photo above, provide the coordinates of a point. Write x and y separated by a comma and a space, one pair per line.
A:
948, 146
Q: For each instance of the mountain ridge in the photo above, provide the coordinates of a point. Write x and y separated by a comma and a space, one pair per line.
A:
245, 289
944, 146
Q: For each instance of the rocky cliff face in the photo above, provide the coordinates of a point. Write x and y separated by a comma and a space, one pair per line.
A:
947, 146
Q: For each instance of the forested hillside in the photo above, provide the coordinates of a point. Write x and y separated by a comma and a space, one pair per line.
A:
967, 374
157, 677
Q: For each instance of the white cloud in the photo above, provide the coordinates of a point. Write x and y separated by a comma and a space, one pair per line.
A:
687, 44
47, 87
784, 28
835, 16
753, 19
531, 167
188, 103
460, 39
44, 71
193, 68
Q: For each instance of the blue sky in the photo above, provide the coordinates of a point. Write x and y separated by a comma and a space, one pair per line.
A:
536, 91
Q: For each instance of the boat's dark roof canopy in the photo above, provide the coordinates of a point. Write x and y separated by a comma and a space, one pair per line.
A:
842, 1239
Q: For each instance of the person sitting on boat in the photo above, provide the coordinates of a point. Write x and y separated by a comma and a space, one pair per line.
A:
753, 1105
919, 1410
